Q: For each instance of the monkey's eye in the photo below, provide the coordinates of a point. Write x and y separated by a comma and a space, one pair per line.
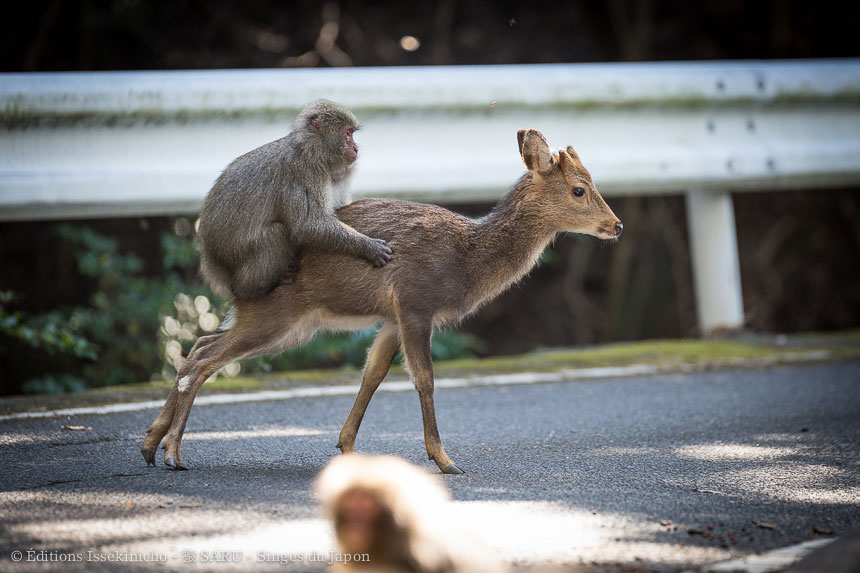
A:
578, 191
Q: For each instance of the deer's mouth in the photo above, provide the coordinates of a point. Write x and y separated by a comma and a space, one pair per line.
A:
608, 234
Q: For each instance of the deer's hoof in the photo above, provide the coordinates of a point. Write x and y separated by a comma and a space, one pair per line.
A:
176, 464
346, 449
452, 469
149, 456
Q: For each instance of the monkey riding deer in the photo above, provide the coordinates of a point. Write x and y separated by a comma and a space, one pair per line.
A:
280, 198
446, 266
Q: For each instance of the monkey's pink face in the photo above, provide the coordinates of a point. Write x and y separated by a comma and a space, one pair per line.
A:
358, 520
351, 147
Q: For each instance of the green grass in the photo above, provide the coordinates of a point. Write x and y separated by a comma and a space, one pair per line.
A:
661, 353
846, 336
657, 352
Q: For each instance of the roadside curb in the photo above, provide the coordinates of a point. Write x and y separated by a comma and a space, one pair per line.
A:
520, 378
352, 389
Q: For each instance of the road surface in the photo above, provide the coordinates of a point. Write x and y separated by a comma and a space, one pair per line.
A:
666, 472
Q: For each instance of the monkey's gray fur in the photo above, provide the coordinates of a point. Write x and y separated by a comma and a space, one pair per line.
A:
280, 198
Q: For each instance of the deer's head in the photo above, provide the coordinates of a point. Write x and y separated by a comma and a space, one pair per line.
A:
563, 189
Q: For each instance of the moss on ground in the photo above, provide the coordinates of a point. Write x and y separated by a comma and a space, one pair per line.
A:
656, 352
666, 354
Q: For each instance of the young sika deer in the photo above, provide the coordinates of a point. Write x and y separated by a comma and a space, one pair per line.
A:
444, 267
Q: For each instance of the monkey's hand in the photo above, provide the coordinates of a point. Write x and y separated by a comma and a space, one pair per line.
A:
378, 252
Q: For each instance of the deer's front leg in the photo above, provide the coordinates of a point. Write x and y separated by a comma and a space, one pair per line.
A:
379, 360
415, 338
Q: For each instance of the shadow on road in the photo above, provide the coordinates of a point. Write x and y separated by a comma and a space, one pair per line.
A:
672, 470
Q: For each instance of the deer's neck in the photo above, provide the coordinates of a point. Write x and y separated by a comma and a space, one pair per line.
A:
507, 242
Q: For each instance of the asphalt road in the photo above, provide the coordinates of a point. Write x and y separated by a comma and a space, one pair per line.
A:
568, 473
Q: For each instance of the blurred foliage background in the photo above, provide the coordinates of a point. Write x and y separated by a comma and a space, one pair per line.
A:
96, 303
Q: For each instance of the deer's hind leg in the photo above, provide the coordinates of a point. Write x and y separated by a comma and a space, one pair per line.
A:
379, 360
229, 345
161, 424
261, 330
200, 366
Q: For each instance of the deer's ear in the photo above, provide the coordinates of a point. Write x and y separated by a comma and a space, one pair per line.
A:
564, 159
535, 151
521, 134
573, 154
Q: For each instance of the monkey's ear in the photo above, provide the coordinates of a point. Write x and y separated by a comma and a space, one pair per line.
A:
316, 122
535, 151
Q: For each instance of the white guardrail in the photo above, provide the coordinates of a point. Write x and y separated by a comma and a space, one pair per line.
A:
75, 145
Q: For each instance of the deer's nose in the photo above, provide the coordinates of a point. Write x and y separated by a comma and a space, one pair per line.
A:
619, 228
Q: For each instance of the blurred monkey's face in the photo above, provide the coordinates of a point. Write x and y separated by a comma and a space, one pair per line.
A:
358, 519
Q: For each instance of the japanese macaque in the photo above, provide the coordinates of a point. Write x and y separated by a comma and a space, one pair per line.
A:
279, 199
397, 515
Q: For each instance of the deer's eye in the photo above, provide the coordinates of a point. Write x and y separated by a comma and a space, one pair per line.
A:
578, 191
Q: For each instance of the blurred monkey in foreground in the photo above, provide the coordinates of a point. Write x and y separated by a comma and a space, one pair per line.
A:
399, 515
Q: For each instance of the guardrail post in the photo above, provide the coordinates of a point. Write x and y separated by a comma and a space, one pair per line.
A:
714, 250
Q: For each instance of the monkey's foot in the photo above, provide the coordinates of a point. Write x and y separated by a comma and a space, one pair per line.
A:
176, 464
452, 469
149, 456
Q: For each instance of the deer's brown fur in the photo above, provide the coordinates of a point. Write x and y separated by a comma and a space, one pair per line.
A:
445, 266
